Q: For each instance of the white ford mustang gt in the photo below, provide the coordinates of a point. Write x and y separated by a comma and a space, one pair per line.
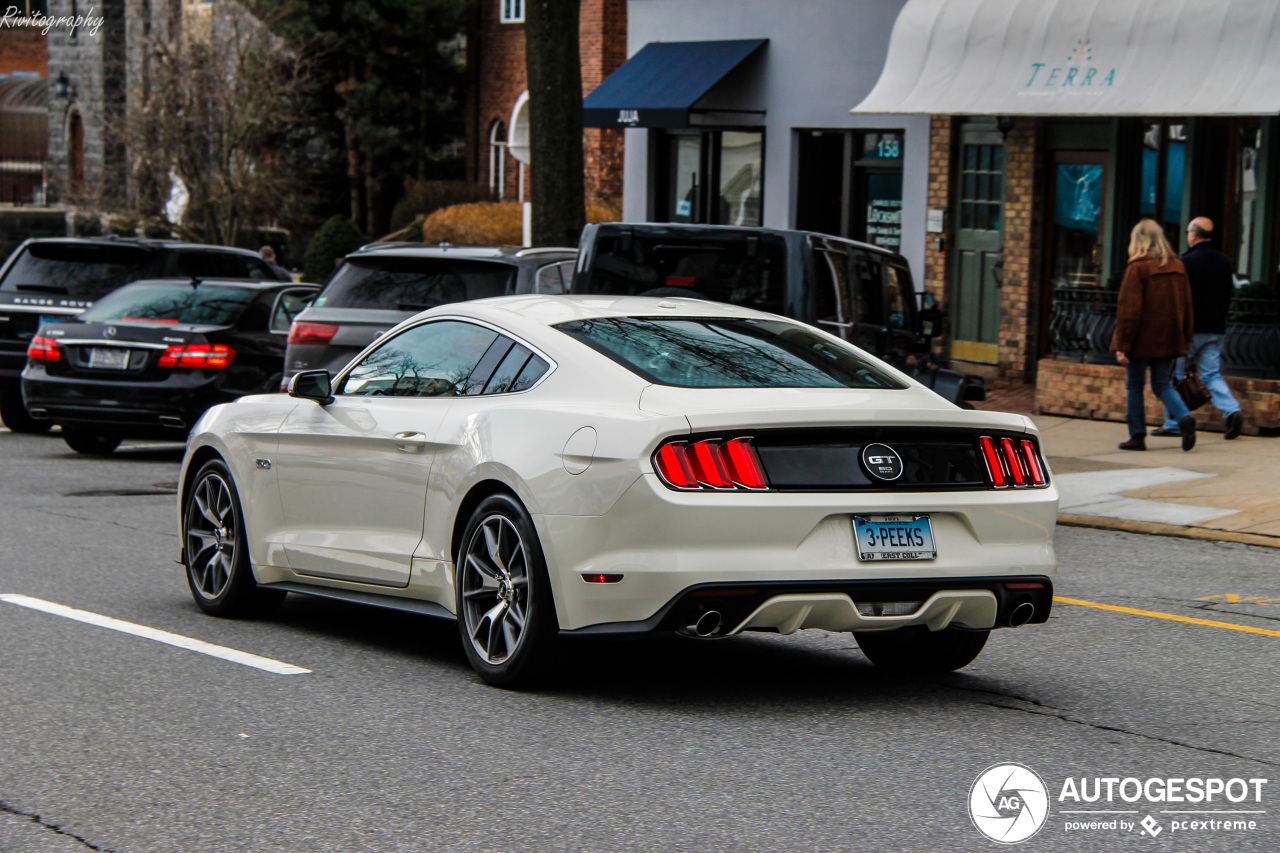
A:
539, 466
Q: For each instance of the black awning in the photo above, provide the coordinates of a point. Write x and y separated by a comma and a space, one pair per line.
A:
658, 86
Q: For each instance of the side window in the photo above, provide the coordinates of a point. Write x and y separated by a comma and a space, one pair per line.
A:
831, 299
508, 370
868, 278
429, 360
900, 296
288, 306
549, 280
529, 374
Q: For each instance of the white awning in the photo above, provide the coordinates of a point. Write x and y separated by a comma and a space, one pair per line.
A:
1082, 57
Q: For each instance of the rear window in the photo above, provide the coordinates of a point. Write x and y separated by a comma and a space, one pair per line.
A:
741, 269
80, 272
719, 352
413, 284
206, 305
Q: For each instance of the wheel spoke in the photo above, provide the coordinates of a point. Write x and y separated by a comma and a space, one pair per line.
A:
485, 570
480, 592
202, 503
493, 541
495, 618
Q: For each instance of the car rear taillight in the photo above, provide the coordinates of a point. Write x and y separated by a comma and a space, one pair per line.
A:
711, 464
1011, 462
43, 348
207, 356
311, 334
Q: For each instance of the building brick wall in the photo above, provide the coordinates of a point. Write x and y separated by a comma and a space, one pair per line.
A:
500, 79
23, 49
941, 153
1019, 323
1097, 392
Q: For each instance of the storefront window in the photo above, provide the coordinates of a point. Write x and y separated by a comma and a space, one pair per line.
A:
1247, 198
741, 166
729, 161
1164, 159
877, 214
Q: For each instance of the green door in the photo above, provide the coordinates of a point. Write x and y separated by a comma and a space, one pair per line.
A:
979, 217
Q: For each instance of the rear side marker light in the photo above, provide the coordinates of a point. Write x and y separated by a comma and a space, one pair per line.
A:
710, 464
207, 356
44, 348
602, 578
1011, 462
311, 334
1024, 586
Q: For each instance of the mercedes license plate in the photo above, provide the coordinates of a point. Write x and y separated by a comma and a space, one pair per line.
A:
894, 537
109, 359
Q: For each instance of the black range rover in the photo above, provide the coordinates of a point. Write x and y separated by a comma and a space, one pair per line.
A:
56, 279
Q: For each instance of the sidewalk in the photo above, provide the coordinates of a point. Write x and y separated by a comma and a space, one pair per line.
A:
1223, 490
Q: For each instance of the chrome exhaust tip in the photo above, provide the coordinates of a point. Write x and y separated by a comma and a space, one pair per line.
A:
171, 421
38, 414
1021, 614
706, 625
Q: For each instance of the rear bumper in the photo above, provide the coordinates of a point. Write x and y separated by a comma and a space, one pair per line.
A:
162, 410
667, 545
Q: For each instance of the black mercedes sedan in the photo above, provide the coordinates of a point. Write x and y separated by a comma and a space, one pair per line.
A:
147, 360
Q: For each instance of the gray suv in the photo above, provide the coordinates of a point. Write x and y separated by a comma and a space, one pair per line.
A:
381, 284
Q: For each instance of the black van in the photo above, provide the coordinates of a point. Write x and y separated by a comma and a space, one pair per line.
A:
860, 292
47, 280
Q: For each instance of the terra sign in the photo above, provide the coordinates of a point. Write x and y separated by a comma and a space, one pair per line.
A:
1078, 72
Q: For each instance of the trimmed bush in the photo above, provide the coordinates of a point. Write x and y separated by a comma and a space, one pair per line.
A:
495, 223
335, 239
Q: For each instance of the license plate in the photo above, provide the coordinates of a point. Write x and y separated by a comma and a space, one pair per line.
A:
894, 537
108, 359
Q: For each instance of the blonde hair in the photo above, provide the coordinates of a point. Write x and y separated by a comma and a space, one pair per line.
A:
1147, 238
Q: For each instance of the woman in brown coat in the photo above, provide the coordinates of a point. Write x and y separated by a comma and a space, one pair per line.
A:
1153, 328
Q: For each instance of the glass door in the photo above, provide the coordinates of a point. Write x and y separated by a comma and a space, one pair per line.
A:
1073, 261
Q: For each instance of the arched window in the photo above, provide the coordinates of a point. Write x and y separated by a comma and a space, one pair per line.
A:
498, 158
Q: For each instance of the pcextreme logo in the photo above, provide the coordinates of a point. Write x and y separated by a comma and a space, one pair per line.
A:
1009, 803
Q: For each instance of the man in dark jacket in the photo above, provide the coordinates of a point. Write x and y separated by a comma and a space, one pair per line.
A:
1212, 283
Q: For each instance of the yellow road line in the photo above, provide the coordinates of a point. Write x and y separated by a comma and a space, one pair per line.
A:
1171, 616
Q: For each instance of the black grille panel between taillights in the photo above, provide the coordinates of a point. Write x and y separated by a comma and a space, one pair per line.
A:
833, 460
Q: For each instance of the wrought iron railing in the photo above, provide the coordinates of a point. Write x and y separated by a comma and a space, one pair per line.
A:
1082, 320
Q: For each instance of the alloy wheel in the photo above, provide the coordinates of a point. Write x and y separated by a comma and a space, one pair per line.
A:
495, 589
211, 536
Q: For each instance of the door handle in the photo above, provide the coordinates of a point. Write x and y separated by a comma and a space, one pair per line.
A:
410, 441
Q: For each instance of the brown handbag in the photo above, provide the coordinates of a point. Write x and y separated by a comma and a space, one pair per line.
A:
1192, 390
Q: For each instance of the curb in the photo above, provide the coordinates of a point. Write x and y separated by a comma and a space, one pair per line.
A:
1156, 529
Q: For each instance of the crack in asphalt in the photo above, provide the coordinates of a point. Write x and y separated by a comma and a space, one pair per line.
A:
52, 827
48, 511
1040, 709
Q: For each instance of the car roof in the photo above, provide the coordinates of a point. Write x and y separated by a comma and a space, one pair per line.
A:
141, 243
446, 250
659, 227
546, 310
251, 283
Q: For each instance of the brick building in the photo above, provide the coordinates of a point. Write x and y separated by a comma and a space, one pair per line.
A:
1055, 127
497, 58
24, 119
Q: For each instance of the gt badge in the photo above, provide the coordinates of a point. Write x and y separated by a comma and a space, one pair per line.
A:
882, 462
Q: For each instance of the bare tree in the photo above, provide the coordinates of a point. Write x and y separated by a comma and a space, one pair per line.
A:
205, 142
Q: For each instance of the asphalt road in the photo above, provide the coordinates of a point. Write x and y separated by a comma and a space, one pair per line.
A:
115, 742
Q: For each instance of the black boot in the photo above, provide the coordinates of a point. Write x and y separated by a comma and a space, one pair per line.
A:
1136, 442
1188, 426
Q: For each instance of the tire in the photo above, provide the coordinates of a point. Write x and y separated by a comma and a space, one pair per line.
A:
14, 414
918, 651
90, 442
215, 550
506, 615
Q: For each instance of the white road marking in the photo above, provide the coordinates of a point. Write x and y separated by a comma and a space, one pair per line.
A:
1099, 493
159, 636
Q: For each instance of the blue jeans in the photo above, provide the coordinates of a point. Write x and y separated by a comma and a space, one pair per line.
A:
1161, 384
1206, 355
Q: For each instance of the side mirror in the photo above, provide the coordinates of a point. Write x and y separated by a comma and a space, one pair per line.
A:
312, 385
930, 320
